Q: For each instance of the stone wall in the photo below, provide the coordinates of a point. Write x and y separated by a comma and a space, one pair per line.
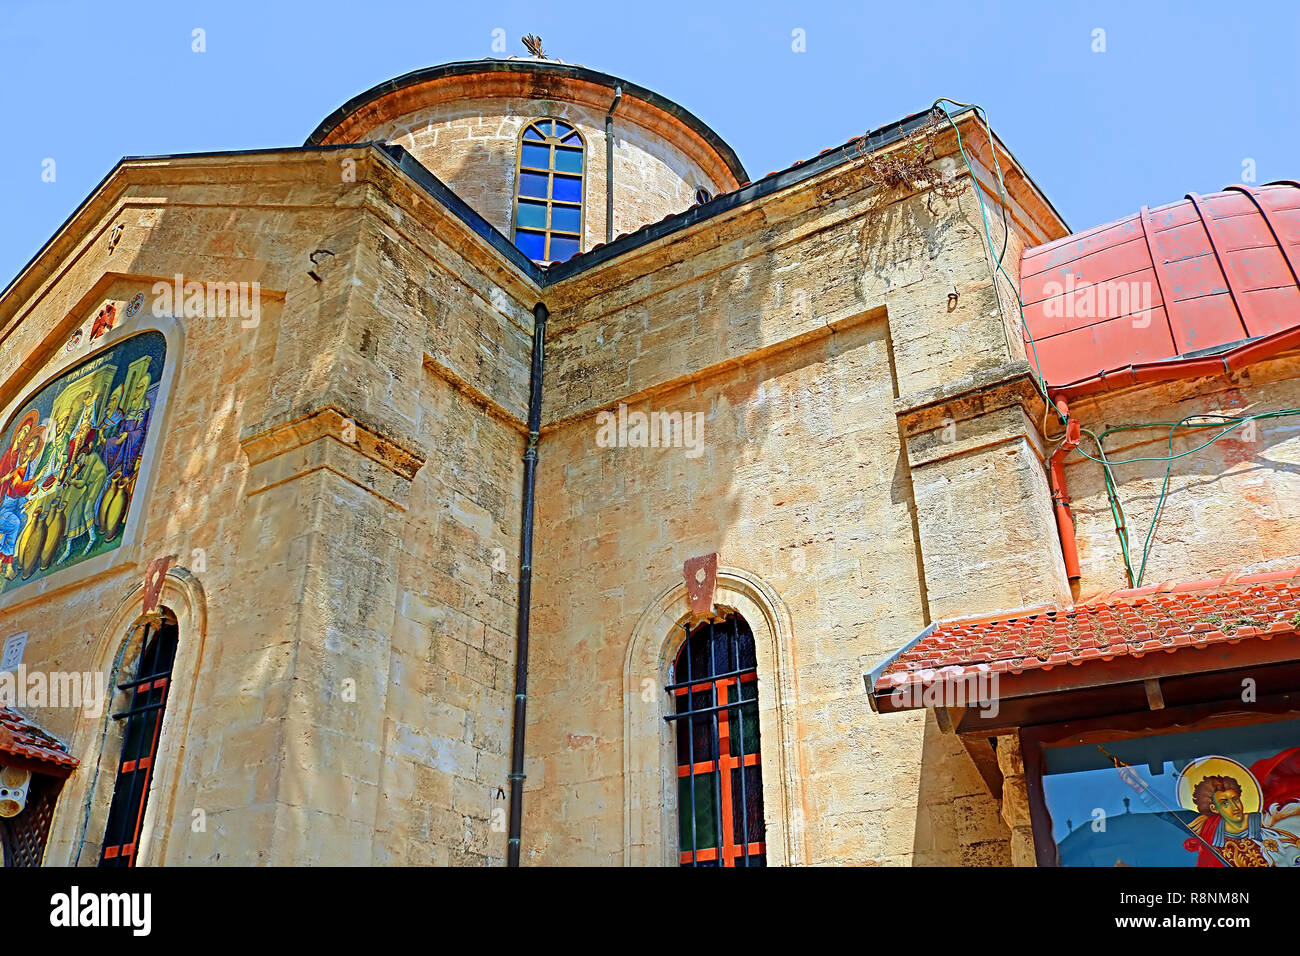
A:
225, 727
348, 471
472, 145
814, 333
339, 483
1230, 507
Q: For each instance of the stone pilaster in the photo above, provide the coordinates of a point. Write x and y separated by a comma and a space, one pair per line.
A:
983, 506
327, 499
1015, 801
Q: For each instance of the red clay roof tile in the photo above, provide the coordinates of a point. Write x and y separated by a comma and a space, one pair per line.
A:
21, 738
1163, 617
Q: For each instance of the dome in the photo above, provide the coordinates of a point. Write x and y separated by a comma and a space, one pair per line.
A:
469, 123
1196, 287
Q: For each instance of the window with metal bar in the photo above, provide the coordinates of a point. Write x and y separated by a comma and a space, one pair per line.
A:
548, 194
140, 735
714, 690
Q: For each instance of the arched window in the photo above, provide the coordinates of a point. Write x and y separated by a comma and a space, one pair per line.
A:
714, 688
548, 194
144, 717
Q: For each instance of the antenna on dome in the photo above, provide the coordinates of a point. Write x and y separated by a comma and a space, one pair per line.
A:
534, 45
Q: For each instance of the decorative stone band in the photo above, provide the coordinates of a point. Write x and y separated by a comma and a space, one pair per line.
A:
1006, 386
989, 408
328, 439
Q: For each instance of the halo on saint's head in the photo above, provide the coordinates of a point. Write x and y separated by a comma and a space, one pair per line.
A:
1215, 766
28, 421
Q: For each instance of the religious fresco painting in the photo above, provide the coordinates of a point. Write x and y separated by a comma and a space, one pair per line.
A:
70, 460
1225, 797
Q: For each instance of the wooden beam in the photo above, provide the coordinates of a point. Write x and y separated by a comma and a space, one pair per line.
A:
944, 718
1155, 700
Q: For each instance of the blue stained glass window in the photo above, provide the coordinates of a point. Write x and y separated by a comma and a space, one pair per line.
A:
567, 189
531, 244
563, 218
533, 184
532, 214
562, 247
536, 156
548, 202
567, 160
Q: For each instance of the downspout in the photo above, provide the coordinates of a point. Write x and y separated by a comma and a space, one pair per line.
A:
609, 165
525, 587
1060, 498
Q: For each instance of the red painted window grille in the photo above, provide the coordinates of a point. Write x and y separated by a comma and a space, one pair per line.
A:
140, 737
714, 690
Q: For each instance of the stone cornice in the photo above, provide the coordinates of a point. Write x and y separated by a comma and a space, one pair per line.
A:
289, 447
84, 228
827, 182
1010, 384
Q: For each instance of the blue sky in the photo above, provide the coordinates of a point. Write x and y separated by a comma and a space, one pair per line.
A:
1183, 94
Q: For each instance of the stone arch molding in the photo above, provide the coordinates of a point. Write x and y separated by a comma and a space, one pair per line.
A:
82, 811
649, 787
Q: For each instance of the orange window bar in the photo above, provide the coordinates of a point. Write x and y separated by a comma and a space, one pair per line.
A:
719, 779
139, 744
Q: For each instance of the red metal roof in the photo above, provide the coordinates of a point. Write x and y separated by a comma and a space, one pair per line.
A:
19, 737
1134, 300
1133, 622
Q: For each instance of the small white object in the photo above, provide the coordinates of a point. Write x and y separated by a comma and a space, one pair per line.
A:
13, 790
13, 652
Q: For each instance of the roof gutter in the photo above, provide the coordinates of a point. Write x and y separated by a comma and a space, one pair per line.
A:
1167, 370
872, 677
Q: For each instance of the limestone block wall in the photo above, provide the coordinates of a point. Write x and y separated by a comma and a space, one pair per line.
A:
445, 737
977, 469
1015, 800
1246, 482
432, 353
472, 145
339, 482
800, 328
208, 224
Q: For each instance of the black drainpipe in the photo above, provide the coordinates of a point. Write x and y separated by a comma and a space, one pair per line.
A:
609, 165
525, 587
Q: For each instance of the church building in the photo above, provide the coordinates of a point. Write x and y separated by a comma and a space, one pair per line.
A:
507, 476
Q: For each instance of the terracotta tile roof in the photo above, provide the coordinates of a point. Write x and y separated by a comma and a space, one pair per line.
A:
19, 737
1134, 622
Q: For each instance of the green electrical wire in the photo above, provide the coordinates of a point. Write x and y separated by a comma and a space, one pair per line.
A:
988, 234
1112, 488
1116, 506
1233, 423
